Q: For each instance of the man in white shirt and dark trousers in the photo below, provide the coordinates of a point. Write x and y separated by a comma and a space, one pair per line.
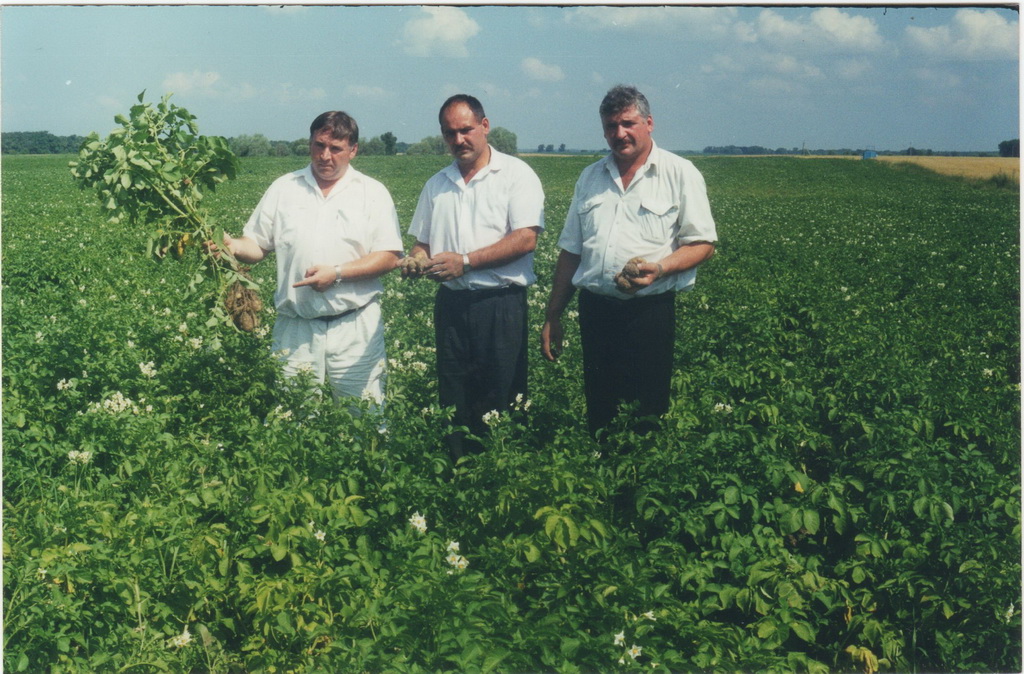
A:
638, 202
335, 232
477, 223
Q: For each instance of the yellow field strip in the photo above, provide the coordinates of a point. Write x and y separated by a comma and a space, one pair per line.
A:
968, 167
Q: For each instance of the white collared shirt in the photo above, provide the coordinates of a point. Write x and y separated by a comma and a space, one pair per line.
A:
665, 206
453, 216
305, 228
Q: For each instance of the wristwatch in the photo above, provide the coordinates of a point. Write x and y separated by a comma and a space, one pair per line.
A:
337, 274
466, 266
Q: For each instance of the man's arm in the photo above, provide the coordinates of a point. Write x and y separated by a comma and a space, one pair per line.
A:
680, 260
244, 249
322, 276
552, 335
447, 265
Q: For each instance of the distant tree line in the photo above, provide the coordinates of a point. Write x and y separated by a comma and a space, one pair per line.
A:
258, 145
39, 142
909, 152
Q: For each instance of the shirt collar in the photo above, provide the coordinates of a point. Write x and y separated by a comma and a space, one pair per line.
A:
650, 164
497, 162
350, 174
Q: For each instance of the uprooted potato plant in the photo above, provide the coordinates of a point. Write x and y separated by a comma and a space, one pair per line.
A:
151, 173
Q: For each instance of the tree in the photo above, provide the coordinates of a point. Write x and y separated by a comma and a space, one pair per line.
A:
429, 145
1010, 148
280, 148
540, 148
503, 140
256, 145
561, 148
39, 142
390, 140
374, 146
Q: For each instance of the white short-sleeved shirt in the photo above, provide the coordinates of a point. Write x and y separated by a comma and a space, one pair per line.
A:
453, 216
665, 206
305, 228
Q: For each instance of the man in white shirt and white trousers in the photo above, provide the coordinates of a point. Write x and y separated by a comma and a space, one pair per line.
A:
335, 232
638, 202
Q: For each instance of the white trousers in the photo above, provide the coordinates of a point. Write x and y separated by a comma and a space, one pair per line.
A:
348, 352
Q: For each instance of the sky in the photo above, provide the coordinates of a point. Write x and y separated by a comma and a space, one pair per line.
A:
821, 77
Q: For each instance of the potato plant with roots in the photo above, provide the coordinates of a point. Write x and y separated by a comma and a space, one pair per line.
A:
151, 172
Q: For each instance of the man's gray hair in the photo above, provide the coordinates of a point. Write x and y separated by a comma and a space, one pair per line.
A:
622, 97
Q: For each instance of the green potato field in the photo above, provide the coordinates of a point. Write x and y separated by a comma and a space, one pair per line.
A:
836, 487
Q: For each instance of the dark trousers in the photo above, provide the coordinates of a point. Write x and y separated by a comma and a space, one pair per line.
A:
481, 355
627, 355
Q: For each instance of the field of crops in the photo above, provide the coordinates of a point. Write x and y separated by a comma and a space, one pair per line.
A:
835, 488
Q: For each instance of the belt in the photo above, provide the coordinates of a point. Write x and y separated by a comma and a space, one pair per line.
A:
481, 293
667, 297
328, 319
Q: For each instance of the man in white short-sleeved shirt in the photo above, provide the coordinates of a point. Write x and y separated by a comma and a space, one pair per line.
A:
335, 232
638, 202
476, 226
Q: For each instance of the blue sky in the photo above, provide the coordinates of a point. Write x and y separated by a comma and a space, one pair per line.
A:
822, 76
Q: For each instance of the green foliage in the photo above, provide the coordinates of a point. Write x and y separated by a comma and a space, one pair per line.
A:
835, 488
429, 145
152, 173
39, 142
256, 145
1009, 148
503, 140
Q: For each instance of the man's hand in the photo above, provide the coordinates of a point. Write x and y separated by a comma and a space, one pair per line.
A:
551, 339
414, 266
320, 277
215, 250
444, 267
241, 248
637, 274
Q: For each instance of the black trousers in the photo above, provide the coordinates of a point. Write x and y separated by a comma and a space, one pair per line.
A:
627, 355
481, 355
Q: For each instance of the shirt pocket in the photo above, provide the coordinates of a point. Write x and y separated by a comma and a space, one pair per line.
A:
290, 227
657, 220
589, 214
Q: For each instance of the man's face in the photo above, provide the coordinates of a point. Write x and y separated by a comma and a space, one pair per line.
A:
465, 135
628, 134
330, 157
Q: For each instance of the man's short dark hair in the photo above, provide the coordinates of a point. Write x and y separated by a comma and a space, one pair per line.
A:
475, 105
622, 97
340, 124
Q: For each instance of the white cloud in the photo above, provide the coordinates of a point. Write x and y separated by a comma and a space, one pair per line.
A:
367, 92
826, 27
840, 28
938, 79
196, 82
785, 64
972, 34
439, 31
537, 70
853, 69
698, 21
722, 64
